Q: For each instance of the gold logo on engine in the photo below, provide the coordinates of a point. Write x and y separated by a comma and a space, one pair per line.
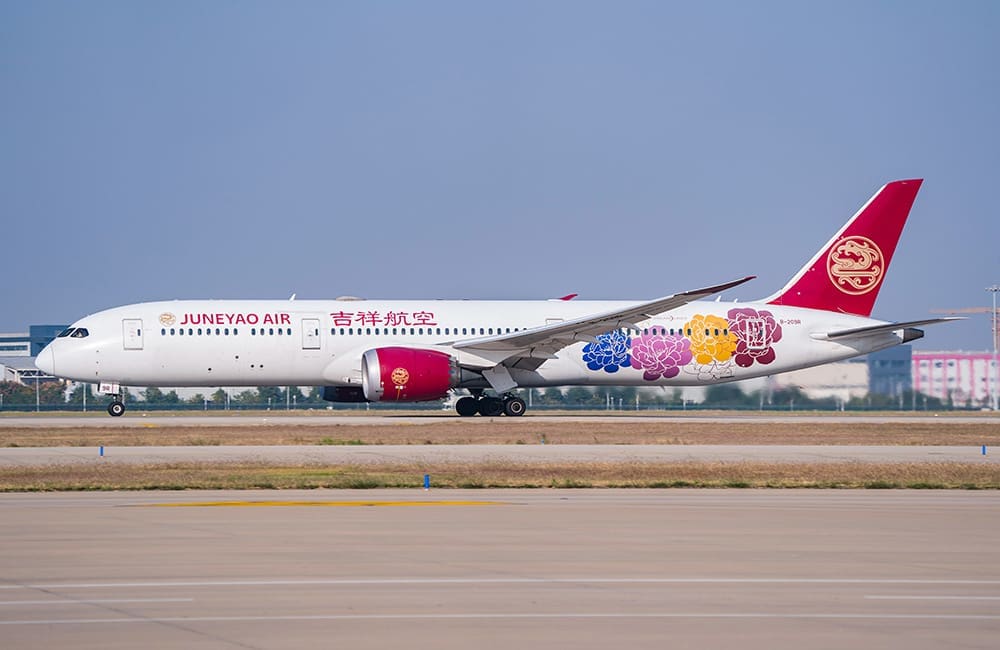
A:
399, 377
855, 265
167, 319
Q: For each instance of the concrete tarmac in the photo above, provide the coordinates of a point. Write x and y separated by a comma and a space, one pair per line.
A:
517, 454
499, 568
324, 418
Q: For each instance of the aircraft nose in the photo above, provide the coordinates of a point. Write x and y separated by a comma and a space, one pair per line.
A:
46, 361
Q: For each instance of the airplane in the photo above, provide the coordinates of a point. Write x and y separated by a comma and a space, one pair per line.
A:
412, 351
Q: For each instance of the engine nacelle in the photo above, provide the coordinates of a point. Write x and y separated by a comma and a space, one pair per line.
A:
407, 374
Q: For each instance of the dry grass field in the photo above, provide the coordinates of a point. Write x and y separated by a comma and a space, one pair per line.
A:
674, 431
503, 431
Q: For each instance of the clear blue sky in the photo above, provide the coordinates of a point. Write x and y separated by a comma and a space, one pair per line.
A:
161, 150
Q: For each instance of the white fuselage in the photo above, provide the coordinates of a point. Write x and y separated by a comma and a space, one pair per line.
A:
255, 343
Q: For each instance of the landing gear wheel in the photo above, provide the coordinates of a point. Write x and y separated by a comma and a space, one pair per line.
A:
491, 407
467, 406
514, 406
116, 409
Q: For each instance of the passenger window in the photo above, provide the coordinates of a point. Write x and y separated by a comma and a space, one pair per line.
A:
253, 331
171, 331
199, 331
226, 331
464, 331
180, 332
163, 332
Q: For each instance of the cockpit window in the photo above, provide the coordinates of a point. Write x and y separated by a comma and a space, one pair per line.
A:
66, 332
80, 333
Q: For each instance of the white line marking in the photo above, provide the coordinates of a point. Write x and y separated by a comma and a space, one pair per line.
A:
96, 602
495, 581
555, 615
933, 597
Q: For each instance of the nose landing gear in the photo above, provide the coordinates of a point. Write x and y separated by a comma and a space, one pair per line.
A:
116, 408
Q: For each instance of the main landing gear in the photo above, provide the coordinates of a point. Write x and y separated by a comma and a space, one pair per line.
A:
507, 404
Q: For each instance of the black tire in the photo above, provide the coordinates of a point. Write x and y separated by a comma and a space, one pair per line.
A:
116, 409
514, 407
491, 407
467, 406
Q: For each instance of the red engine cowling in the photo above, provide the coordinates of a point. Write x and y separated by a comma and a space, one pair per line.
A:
407, 374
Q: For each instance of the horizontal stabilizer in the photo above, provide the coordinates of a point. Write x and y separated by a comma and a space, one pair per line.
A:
873, 330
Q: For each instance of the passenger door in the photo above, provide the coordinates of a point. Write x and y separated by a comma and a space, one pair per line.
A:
132, 333
310, 334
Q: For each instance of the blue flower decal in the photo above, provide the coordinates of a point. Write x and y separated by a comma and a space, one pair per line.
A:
610, 352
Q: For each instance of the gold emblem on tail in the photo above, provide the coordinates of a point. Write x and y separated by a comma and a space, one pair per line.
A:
855, 265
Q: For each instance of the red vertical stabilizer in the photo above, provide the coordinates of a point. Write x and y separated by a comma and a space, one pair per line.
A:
847, 273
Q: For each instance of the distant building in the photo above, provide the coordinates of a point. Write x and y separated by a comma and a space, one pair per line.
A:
960, 376
842, 380
29, 344
18, 352
890, 371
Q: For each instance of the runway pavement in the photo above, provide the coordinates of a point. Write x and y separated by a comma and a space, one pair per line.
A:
495, 569
520, 454
322, 418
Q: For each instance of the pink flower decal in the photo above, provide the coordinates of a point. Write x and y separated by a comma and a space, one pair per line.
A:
756, 332
660, 355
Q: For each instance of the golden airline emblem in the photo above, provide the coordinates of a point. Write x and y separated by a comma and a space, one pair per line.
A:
167, 319
855, 265
399, 377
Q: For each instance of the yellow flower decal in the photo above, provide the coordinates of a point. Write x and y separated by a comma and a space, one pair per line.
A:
710, 338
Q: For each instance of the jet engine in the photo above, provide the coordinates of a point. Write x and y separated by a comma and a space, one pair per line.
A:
408, 374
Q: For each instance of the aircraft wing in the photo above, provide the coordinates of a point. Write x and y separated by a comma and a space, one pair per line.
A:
872, 330
530, 348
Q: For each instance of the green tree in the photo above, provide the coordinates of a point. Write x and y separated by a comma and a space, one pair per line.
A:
248, 397
76, 395
272, 395
580, 396
551, 397
728, 395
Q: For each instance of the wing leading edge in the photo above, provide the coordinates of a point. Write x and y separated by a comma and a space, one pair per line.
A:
528, 349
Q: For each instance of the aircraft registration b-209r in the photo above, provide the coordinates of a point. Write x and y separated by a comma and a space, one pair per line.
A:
412, 351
